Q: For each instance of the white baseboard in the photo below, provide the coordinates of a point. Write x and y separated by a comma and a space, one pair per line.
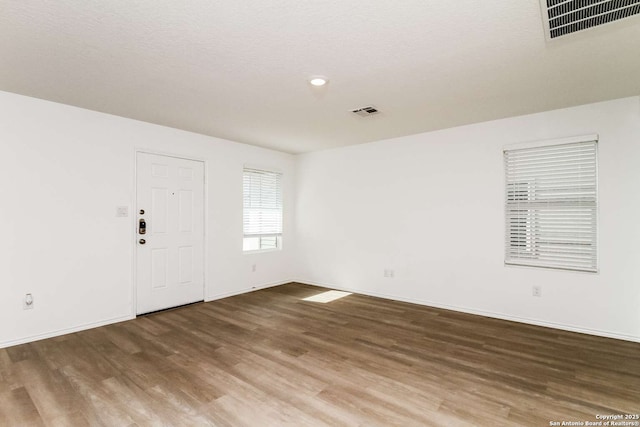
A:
209, 298
91, 325
246, 290
529, 321
65, 331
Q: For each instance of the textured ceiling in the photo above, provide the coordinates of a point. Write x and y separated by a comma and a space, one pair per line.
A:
239, 69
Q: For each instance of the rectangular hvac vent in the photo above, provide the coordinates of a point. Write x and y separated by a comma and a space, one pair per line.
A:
366, 111
562, 17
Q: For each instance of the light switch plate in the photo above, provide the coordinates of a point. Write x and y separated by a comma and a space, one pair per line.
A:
122, 211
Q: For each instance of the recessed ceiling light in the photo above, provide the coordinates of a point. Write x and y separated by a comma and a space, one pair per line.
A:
318, 80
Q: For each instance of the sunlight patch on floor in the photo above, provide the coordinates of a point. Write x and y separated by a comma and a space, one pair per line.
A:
327, 296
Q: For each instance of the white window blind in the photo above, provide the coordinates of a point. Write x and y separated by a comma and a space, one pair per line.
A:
551, 206
262, 208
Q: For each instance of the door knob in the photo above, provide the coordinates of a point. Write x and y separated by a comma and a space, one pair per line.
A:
142, 241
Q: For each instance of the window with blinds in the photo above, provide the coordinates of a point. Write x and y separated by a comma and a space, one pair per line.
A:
262, 209
551, 205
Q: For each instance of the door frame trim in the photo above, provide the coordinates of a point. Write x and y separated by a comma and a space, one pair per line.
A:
205, 231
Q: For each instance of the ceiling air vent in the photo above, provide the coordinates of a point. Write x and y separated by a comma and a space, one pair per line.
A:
367, 111
562, 17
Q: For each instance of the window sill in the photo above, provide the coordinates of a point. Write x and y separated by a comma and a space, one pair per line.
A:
260, 251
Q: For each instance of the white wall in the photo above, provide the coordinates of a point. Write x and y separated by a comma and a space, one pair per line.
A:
430, 206
63, 172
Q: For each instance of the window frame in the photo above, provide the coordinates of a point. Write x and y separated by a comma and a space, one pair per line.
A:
533, 226
279, 176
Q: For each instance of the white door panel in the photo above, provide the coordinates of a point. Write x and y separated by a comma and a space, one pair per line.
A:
170, 263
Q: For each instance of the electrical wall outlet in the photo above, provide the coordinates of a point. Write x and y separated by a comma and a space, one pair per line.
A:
253, 268
389, 272
537, 291
27, 303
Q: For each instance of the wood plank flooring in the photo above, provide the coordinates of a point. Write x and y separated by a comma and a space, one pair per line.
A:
269, 358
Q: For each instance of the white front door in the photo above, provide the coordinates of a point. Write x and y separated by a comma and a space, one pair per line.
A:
170, 232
